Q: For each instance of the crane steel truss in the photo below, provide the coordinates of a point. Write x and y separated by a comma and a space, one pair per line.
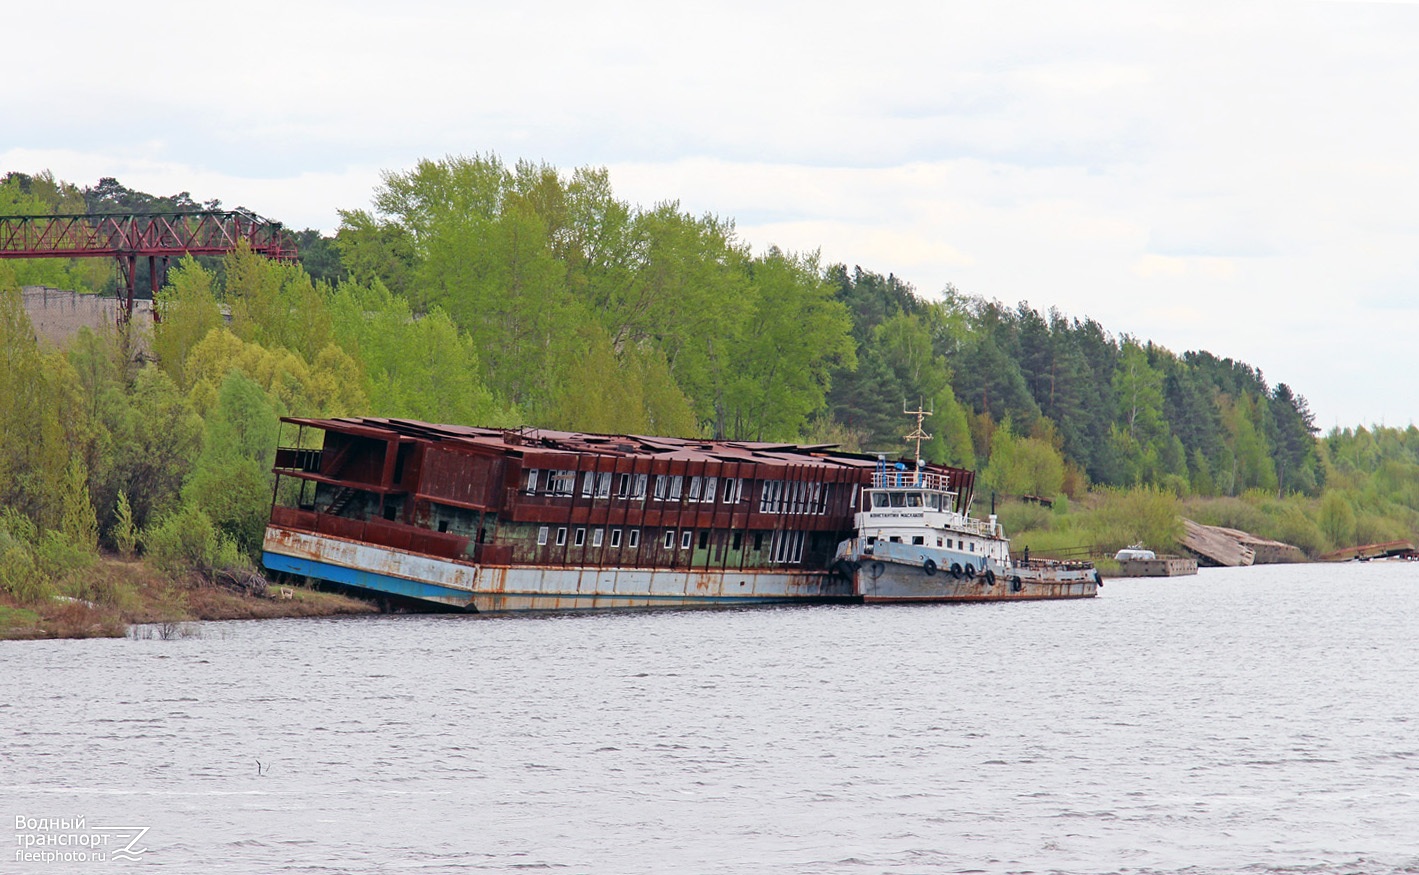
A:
128, 237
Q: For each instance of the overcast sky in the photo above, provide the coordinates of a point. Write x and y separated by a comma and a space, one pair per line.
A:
1235, 177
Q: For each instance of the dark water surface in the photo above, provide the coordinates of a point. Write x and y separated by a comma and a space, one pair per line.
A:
1254, 720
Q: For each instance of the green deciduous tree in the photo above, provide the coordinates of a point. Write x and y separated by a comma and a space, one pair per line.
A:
78, 521
783, 360
188, 311
1023, 465
231, 481
1336, 519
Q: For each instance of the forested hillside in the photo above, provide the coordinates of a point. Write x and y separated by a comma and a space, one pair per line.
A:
476, 292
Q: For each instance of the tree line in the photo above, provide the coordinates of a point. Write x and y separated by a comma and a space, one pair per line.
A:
473, 291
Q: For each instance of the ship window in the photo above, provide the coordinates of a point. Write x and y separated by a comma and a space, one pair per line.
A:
662, 485
561, 535
685, 540
918, 540
938, 542
879, 499
697, 485
704, 539
973, 546
561, 482
899, 499
758, 541
871, 541
532, 480
913, 499
711, 484
677, 482
638, 486
389, 511
603, 485
443, 525
852, 501
895, 539
933, 501
635, 540
770, 495
670, 540
738, 540
588, 483
623, 485
615, 537
950, 545
787, 547
580, 537
596, 536
542, 537
738, 491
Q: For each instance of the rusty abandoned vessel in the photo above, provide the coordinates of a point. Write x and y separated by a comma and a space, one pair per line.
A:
493, 520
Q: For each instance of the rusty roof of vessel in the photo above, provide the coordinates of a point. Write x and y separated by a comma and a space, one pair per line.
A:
521, 440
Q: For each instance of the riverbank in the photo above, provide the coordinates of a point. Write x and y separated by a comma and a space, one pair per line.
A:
118, 594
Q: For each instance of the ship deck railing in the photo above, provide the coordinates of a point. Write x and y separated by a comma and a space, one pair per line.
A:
911, 480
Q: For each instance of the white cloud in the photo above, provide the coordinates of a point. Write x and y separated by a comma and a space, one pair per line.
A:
1233, 177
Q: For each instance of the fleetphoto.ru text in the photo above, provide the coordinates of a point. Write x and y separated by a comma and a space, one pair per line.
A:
72, 840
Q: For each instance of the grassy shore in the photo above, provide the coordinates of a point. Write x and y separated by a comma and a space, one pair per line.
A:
117, 594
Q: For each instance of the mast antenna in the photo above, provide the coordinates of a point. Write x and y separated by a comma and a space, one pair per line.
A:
917, 434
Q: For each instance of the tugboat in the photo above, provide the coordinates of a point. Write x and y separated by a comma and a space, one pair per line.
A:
916, 541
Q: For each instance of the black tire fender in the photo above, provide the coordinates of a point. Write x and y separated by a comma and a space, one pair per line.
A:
875, 570
1015, 584
956, 570
970, 570
989, 577
929, 566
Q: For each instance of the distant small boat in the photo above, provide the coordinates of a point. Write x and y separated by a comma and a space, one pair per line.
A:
1134, 552
1137, 561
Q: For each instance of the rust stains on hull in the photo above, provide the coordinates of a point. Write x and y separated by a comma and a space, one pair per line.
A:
496, 588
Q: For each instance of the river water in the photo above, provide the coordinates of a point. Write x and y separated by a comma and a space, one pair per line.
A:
1250, 720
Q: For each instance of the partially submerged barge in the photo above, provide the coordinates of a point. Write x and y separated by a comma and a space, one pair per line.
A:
496, 520
493, 520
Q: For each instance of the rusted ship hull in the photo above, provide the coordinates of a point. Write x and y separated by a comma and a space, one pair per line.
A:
903, 586
897, 582
908, 573
501, 588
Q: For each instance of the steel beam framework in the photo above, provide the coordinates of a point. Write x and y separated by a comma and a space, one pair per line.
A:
156, 236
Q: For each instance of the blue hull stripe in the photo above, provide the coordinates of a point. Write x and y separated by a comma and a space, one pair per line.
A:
376, 582
371, 580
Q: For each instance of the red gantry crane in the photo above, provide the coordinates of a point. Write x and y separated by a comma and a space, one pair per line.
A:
128, 237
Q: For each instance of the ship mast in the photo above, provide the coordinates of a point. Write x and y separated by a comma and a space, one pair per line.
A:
917, 434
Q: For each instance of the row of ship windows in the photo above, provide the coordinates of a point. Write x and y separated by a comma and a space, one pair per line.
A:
783, 547
778, 496
918, 540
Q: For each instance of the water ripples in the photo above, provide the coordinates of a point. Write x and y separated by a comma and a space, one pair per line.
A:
1257, 720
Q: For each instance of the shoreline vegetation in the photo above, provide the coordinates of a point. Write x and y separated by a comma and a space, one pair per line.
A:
117, 597
482, 293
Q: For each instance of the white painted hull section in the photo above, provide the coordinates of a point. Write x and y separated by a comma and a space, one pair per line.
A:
895, 582
520, 588
901, 573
